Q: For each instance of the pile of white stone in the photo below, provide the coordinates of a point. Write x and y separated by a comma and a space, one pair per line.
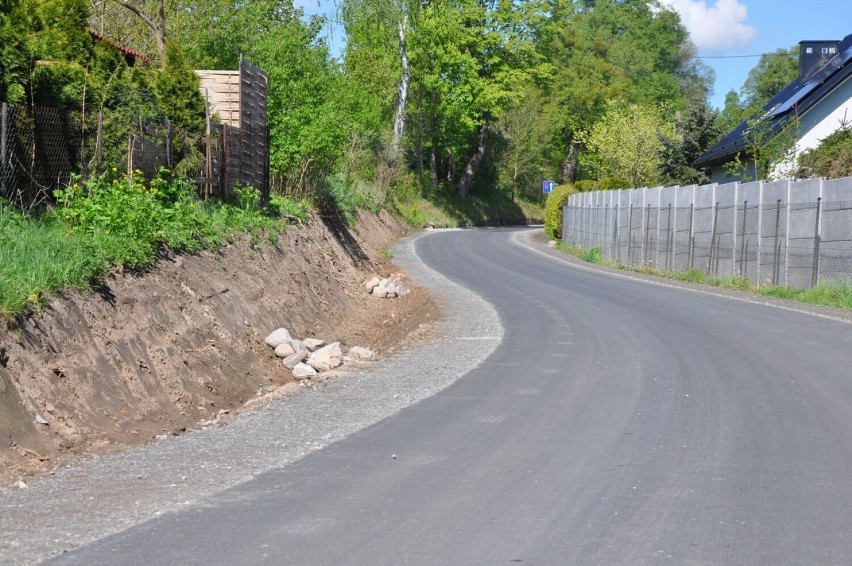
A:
311, 356
389, 287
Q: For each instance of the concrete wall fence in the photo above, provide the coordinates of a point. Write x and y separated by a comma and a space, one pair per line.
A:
795, 233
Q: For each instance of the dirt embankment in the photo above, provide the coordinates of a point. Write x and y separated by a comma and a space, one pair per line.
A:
158, 352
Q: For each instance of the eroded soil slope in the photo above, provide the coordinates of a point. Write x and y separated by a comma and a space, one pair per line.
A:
156, 353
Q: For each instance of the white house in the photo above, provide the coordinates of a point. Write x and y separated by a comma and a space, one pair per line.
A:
812, 107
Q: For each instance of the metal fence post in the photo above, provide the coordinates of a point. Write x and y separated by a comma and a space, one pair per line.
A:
743, 260
630, 236
690, 252
815, 274
615, 251
646, 220
669, 240
713, 239
776, 246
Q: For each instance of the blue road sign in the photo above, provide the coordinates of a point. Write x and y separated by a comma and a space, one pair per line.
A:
547, 186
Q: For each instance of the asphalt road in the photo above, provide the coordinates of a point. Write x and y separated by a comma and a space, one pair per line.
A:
618, 423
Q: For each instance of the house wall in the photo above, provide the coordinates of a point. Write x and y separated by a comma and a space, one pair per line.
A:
820, 121
825, 118
815, 125
721, 175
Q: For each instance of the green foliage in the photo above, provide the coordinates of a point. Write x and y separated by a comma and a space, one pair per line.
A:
836, 294
484, 208
732, 114
115, 221
176, 89
37, 257
307, 107
594, 255
832, 158
347, 199
128, 217
773, 72
627, 143
768, 152
608, 183
281, 206
553, 210
14, 66
696, 130
692, 276
586, 185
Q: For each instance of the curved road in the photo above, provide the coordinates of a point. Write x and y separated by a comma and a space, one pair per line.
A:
618, 423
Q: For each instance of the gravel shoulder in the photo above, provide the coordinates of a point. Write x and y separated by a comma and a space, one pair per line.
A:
111, 493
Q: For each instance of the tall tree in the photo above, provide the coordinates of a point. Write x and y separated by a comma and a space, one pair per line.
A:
773, 72
695, 131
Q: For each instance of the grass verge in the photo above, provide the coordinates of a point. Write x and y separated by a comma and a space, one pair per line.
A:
450, 211
835, 294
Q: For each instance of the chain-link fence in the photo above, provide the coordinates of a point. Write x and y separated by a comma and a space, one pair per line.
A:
782, 233
41, 148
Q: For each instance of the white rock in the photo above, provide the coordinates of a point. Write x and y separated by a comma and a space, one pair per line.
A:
313, 343
303, 371
326, 358
380, 291
284, 350
278, 337
371, 284
21, 485
361, 354
291, 361
551, 244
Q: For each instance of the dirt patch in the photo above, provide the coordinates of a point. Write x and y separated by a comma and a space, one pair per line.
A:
156, 353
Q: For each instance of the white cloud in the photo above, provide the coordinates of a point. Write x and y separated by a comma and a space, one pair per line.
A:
718, 27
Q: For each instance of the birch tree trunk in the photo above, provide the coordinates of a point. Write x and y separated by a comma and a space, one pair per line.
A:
569, 167
402, 92
473, 165
433, 168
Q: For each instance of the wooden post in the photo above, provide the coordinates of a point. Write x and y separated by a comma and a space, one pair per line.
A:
207, 187
169, 144
99, 143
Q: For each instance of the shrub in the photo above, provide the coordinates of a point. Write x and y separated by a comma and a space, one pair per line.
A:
585, 185
553, 210
594, 255
608, 183
832, 158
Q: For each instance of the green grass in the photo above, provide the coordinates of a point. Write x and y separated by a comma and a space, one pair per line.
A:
450, 211
836, 294
113, 222
38, 257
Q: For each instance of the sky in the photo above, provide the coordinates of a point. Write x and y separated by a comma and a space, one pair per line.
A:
730, 34
729, 30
